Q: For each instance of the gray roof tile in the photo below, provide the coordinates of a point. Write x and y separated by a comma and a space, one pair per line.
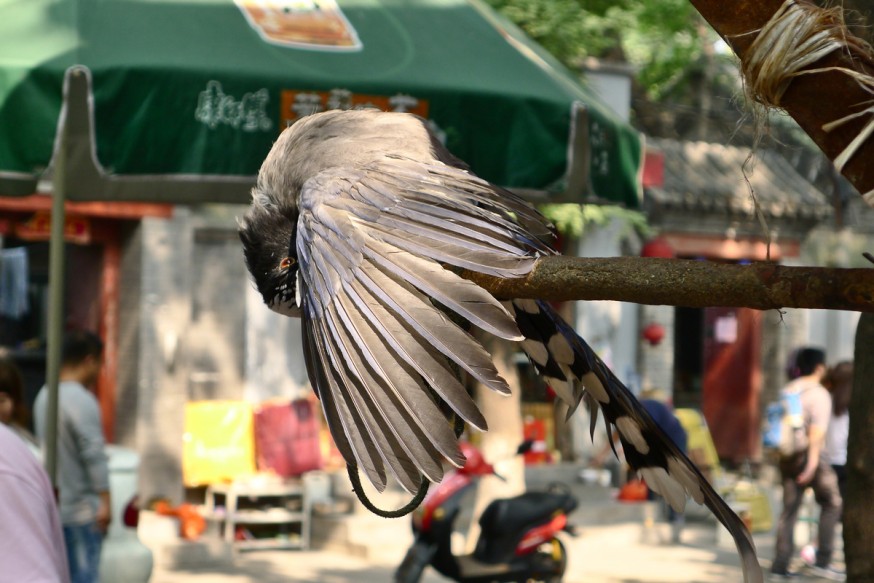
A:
710, 177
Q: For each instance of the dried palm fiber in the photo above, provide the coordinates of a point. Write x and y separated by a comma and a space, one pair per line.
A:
797, 36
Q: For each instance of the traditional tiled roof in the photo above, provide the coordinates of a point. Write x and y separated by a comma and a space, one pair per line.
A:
709, 177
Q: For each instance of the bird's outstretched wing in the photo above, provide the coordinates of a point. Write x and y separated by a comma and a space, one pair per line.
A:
371, 243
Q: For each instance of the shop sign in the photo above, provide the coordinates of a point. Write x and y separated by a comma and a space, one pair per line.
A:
39, 228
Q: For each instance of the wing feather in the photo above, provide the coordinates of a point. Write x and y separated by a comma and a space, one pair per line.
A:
365, 285
397, 438
420, 355
359, 388
386, 383
474, 223
354, 410
462, 296
316, 373
410, 397
452, 184
464, 220
435, 327
336, 404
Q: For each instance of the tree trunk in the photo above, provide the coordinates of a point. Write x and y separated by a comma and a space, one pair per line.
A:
705, 83
859, 505
814, 101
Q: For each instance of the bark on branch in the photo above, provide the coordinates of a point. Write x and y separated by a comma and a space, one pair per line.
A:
682, 282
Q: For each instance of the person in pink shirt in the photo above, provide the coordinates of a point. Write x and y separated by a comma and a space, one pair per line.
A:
32, 549
809, 468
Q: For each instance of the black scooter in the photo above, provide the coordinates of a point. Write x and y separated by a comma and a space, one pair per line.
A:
518, 539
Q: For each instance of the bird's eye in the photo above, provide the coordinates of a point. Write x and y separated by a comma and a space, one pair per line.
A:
286, 262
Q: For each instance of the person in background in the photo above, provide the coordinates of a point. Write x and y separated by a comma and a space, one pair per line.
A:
32, 548
809, 469
83, 475
655, 403
839, 382
13, 413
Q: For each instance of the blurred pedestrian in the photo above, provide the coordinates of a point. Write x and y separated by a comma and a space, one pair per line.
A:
809, 468
83, 475
655, 403
13, 411
839, 382
32, 547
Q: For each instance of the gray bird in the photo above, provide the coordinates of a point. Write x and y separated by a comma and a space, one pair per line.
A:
360, 221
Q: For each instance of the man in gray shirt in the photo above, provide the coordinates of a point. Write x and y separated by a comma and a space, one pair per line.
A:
809, 469
83, 476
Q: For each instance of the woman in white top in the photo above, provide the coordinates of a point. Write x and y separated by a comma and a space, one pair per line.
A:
839, 382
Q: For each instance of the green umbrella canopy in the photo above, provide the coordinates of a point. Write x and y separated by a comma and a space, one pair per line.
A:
180, 100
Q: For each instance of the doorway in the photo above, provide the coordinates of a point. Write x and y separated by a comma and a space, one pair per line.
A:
717, 369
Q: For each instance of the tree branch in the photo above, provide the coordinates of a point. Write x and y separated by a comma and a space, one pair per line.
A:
682, 282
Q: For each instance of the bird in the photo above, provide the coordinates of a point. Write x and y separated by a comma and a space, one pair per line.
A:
360, 224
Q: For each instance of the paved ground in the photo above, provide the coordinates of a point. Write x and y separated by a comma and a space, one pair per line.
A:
609, 554
287, 566
612, 546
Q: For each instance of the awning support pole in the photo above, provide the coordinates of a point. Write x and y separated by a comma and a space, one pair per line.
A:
56, 310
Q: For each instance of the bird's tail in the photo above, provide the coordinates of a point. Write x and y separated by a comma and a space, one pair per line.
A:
576, 373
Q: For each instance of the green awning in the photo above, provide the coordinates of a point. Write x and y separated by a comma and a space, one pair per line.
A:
180, 100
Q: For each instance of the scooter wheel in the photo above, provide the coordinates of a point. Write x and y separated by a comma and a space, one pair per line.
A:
551, 559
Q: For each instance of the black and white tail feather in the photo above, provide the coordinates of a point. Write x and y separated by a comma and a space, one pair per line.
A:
359, 221
575, 372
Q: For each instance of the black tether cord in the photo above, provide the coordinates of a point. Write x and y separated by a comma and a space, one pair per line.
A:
403, 511
409, 506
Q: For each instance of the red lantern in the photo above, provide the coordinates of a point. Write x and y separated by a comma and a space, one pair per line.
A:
654, 333
658, 247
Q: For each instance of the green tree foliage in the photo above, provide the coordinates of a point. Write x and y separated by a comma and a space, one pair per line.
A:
572, 30
660, 38
572, 220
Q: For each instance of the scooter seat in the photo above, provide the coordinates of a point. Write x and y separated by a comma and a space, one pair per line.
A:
505, 521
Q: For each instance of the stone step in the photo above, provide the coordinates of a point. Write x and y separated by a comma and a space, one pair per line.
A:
161, 535
369, 537
354, 530
183, 554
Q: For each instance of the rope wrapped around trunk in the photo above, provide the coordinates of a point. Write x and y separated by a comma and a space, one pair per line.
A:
795, 38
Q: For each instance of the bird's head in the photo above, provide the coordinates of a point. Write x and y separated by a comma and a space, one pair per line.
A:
268, 233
